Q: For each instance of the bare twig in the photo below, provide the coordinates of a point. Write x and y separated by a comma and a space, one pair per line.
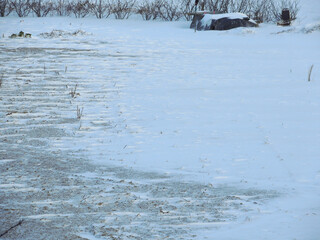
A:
1, 78
73, 92
5, 232
310, 71
79, 112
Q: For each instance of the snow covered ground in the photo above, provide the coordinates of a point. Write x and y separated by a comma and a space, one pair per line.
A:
183, 135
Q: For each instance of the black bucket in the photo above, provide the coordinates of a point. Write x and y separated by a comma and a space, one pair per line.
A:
285, 16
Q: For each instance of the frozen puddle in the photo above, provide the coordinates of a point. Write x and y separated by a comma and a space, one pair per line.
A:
49, 121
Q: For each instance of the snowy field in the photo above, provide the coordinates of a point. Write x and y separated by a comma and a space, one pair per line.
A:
126, 129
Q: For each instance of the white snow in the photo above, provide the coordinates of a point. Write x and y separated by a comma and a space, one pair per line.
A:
207, 19
215, 107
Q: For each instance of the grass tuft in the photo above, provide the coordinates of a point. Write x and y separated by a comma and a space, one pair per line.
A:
310, 71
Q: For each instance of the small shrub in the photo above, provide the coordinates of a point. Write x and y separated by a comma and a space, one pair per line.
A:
260, 11
122, 9
223, 6
187, 6
292, 5
41, 8
80, 8
5, 8
101, 8
170, 10
21, 7
62, 8
149, 10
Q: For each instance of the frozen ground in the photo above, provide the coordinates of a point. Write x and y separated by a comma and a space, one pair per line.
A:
183, 135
